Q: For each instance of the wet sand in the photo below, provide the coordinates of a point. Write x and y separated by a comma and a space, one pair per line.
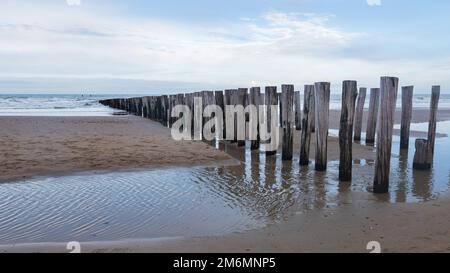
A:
411, 228
42, 146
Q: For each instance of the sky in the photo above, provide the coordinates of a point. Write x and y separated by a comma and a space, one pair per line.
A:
137, 46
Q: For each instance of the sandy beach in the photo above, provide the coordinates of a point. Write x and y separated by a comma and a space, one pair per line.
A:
53, 146
41, 146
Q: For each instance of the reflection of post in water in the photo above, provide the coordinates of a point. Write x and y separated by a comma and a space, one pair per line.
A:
403, 176
320, 192
287, 174
270, 171
234, 152
344, 186
305, 181
257, 165
422, 184
252, 163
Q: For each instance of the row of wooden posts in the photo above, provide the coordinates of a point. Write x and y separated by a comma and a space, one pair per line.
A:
313, 118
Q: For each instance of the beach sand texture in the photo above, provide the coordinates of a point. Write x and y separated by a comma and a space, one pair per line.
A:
40, 146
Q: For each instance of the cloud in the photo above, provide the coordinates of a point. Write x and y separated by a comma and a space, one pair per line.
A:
374, 2
273, 48
63, 43
73, 2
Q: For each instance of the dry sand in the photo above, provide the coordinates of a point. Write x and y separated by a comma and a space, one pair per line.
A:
68, 144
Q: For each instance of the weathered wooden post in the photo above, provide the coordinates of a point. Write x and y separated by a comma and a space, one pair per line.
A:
130, 106
280, 103
165, 110
298, 111
158, 108
421, 156
220, 103
208, 99
161, 109
152, 108
287, 123
242, 100
145, 106
227, 100
322, 111
385, 127
139, 106
233, 102
360, 113
262, 99
435, 94
372, 115
148, 102
307, 122
407, 101
254, 99
189, 100
349, 94
180, 100
198, 115
271, 98
212, 101
204, 104
424, 155
172, 102
133, 106
312, 112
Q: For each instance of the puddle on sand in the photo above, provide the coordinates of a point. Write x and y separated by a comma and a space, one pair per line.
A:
198, 201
